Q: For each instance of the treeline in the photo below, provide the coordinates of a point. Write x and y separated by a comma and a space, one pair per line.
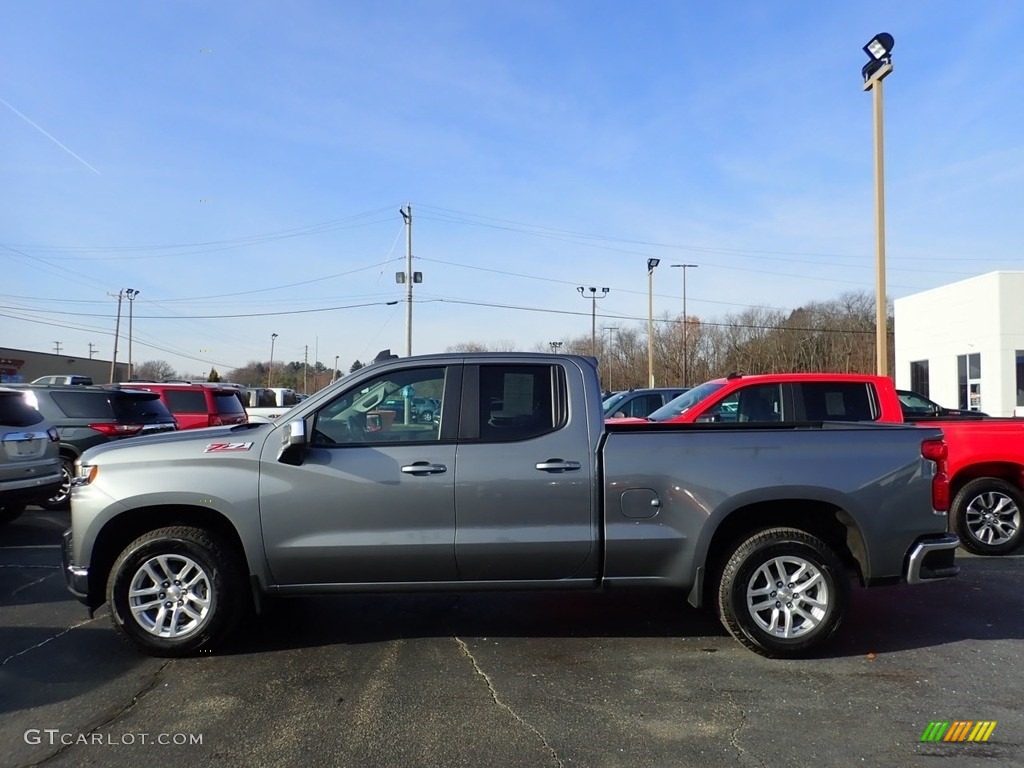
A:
832, 336
829, 336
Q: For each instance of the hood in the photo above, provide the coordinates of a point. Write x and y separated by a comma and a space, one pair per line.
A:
171, 441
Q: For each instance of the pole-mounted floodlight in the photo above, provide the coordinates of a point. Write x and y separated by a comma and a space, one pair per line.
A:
651, 264
879, 51
593, 312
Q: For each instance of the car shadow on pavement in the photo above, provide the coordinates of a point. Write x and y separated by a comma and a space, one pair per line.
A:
983, 603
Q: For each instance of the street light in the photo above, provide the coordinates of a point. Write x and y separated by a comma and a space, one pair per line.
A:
334, 377
879, 51
593, 313
270, 373
651, 264
686, 321
131, 293
555, 346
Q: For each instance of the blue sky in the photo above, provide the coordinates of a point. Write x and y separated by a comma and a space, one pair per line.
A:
229, 158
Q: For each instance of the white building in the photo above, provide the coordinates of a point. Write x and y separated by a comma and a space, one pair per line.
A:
962, 345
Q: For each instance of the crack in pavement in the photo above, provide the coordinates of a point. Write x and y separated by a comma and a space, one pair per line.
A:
44, 642
734, 736
503, 705
96, 726
32, 583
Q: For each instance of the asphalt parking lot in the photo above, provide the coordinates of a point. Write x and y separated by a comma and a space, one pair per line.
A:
508, 680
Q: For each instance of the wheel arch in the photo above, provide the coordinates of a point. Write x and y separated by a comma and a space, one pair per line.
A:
120, 531
1007, 471
830, 523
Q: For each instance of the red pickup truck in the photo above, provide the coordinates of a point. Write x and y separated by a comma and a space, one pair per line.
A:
985, 461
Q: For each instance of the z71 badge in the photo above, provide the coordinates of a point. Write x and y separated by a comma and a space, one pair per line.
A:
224, 447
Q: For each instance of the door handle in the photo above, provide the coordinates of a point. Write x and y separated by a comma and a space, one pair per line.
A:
424, 468
557, 465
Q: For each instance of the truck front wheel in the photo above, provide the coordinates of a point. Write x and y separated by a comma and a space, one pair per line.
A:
783, 592
175, 590
986, 515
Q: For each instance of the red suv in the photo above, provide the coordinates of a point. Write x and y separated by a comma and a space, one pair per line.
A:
198, 405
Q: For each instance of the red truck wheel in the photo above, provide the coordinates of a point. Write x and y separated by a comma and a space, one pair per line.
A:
986, 515
783, 592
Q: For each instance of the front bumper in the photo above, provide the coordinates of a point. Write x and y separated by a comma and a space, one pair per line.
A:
77, 577
932, 558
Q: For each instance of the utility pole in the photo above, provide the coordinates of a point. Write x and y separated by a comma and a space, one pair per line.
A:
607, 354
686, 321
56, 350
117, 334
408, 277
92, 351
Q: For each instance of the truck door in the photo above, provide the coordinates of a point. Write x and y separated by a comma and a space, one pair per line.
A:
373, 499
524, 476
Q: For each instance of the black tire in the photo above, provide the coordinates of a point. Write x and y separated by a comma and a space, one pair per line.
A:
62, 498
986, 515
205, 603
819, 598
10, 512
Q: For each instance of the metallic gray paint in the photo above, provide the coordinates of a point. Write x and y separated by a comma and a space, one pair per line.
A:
350, 519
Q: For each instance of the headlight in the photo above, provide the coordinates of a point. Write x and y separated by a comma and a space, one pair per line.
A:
84, 473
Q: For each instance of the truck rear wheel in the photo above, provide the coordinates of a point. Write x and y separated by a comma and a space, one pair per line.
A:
783, 592
986, 515
175, 590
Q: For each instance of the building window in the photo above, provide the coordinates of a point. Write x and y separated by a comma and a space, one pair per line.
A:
919, 377
968, 372
1020, 377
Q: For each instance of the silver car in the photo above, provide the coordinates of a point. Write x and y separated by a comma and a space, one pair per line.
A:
29, 455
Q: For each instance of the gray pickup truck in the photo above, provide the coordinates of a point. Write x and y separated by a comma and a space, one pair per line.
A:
518, 485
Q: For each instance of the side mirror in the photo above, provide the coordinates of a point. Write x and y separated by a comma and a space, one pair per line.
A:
293, 441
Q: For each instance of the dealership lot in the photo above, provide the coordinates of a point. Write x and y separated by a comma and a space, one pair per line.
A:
509, 680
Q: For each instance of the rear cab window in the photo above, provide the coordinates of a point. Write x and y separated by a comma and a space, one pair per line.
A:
227, 403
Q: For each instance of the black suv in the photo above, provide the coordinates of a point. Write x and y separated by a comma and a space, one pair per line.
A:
90, 415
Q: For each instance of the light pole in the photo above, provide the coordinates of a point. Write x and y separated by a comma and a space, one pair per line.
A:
555, 346
651, 264
879, 51
593, 313
686, 321
334, 378
270, 373
131, 293
408, 277
608, 355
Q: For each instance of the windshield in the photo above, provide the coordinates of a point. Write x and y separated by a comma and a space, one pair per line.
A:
686, 401
612, 400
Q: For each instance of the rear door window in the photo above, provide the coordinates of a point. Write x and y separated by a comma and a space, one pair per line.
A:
518, 402
185, 400
85, 405
836, 401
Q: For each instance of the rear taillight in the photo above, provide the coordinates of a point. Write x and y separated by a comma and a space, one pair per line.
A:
215, 420
117, 430
936, 450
